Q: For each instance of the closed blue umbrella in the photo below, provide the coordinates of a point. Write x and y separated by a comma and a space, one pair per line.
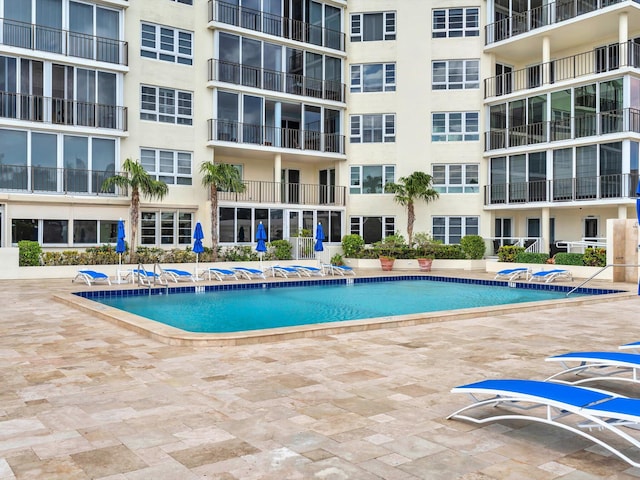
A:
121, 247
261, 238
319, 238
197, 243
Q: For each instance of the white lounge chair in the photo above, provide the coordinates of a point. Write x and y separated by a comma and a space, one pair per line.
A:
90, 277
279, 270
512, 274
341, 270
177, 275
249, 273
597, 366
309, 271
548, 276
219, 273
583, 411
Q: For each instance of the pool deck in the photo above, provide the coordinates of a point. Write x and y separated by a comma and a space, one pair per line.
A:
83, 398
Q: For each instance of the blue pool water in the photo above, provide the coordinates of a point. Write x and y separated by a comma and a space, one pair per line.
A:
261, 308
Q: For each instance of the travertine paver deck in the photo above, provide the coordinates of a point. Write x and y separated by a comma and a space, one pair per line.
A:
81, 398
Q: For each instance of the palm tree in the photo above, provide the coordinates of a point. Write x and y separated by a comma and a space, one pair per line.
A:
219, 176
136, 178
416, 186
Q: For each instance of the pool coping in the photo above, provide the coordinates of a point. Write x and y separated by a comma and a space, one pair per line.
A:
173, 336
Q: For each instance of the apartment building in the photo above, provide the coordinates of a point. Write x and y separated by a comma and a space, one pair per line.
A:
528, 126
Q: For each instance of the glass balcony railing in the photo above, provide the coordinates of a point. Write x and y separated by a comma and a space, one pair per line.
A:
616, 186
289, 138
588, 125
60, 111
64, 42
548, 14
257, 77
290, 193
268, 23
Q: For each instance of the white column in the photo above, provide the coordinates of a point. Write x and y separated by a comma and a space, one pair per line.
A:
546, 58
623, 27
622, 212
277, 123
545, 233
277, 176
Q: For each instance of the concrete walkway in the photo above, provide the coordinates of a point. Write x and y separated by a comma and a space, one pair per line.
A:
81, 398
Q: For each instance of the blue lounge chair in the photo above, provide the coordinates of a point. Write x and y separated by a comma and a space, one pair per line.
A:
598, 366
630, 346
341, 270
512, 274
308, 271
549, 276
595, 410
176, 275
279, 270
91, 277
249, 273
219, 273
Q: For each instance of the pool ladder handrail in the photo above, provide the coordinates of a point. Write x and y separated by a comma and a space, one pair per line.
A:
157, 271
598, 273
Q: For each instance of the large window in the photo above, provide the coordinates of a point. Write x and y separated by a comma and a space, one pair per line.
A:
456, 22
371, 178
455, 74
167, 228
370, 27
373, 77
372, 229
45, 232
376, 128
167, 44
455, 127
450, 230
456, 178
166, 105
171, 167
95, 232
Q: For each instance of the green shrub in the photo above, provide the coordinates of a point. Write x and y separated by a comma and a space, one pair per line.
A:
337, 260
562, 258
352, 245
449, 252
282, 249
393, 246
29, 253
595, 257
509, 253
239, 253
473, 246
530, 257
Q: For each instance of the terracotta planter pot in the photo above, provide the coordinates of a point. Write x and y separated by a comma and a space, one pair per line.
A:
387, 263
425, 264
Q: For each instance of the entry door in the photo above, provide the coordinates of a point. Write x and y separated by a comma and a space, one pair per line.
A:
502, 233
291, 185
590, 228
295, 222
327, 183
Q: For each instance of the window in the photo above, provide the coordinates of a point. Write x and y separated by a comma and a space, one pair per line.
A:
171, 167
370, 27
380, 128
167, 44
454, 127
166, 105
450, 230
371, 178
456, 22
373, 77
455, 74
373, 229
166, 228
95, 232
455, 178
186, 2
46, 232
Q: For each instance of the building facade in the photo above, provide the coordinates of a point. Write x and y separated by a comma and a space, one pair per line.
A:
528, 127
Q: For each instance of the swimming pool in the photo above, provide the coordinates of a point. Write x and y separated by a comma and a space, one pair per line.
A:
266, 305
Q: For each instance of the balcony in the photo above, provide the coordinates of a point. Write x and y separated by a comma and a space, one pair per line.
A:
274, 81
59, 111
63, 181
600, 60
549, 14
604, 187
287, 193
275, 25
615, 121
288, 138
64, 42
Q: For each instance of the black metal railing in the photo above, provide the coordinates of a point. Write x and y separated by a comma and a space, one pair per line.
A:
248, 76
579, 126
64, 42
60, 111
236, 132
275, 25
600, 60
288, 193
35, 179
549, 14
620, 186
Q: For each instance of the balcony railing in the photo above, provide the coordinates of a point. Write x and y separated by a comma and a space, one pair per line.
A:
618, 186
275, 25
601, 60
549, 14
64, 42
289, 193
227, 131
257, 77
60, 111
34, 179
615, 121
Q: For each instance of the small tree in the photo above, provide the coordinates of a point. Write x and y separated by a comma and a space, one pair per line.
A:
407, 190
136, 179
219, 176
